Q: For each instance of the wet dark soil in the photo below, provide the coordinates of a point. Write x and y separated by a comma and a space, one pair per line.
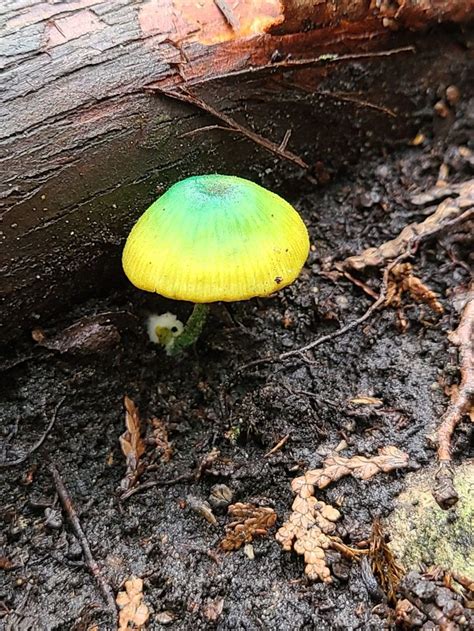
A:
206, 404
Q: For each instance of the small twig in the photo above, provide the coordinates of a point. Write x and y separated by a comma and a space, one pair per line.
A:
198, 130
91, 563
352, 553
285, 140
185, 477
355, 323
298, 63
182, 94
359, 283
444, 492
341, 96
37, 445
278, 446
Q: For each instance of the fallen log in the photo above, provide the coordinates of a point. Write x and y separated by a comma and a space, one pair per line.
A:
88, 136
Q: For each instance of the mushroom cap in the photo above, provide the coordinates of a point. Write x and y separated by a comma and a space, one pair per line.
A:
216, 237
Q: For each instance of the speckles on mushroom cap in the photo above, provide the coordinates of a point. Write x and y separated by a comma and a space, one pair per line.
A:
216, 237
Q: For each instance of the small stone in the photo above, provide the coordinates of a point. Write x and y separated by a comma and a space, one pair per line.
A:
249, 551
452, 94
54, 518
425, 590
441, 109
341, 571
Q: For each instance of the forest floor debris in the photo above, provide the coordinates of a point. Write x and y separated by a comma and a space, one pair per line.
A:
311, 526
132, 445
248, 521
73, 519
462, 402
426, 602
336, 467
403, 281
133, 613
456, 207
385, 566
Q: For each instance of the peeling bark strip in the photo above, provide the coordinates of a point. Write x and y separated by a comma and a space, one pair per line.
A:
84, 149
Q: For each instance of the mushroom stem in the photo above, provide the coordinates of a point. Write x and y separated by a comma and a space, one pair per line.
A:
192, 329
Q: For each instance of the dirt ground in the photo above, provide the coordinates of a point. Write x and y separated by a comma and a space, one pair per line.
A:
205, 404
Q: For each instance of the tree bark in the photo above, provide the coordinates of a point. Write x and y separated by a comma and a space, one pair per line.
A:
86, 144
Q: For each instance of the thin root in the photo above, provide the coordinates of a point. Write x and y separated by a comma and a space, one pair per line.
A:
463, 398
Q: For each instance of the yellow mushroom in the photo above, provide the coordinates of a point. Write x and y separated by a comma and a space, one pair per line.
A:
215, 237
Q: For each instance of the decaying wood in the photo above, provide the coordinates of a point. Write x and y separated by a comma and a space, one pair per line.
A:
461, 404
84, 148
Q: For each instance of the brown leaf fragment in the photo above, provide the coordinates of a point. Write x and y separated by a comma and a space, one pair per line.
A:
402, 280
160, 439
213, 609
249, 520
133, 612
6, 564
132, 445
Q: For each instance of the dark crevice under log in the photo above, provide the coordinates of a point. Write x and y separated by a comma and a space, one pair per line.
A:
84, 149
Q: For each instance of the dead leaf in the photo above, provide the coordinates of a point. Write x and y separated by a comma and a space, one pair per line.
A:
213, 609
133, 612
364, 400
132, 445
160, 438
402, 280
249, 521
